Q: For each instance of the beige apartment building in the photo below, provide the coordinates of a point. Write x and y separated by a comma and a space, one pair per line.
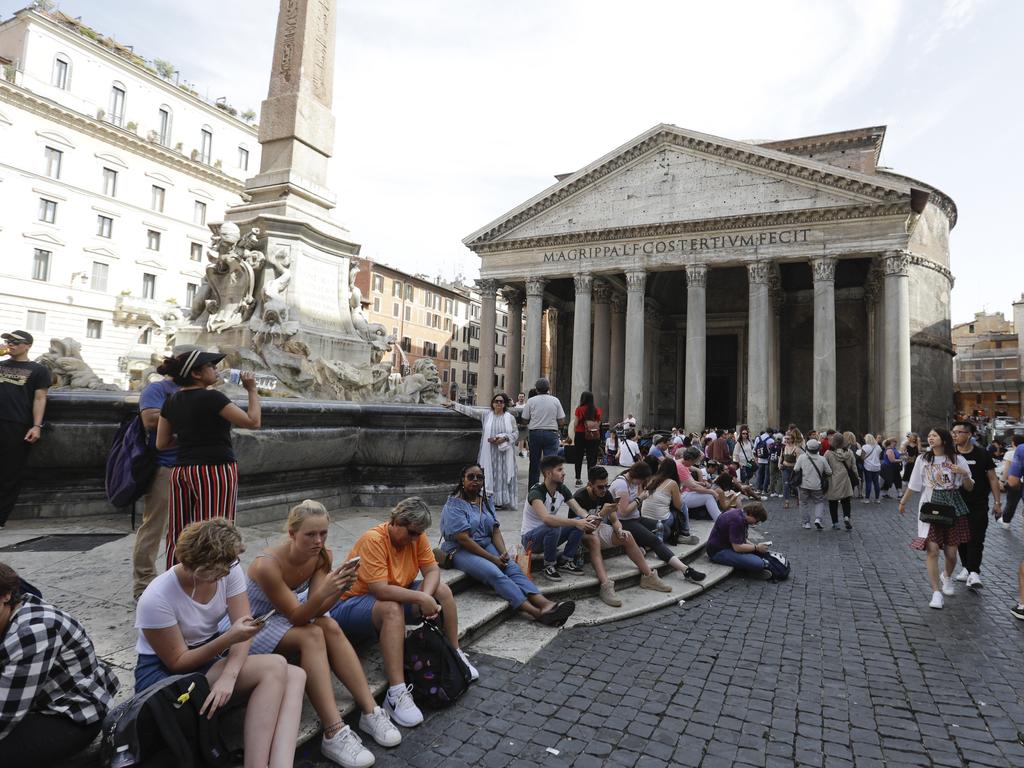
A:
987, 379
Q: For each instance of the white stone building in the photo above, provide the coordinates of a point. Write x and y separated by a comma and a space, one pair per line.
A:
109, 175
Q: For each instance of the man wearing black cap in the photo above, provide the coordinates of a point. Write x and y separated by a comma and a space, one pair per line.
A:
23, 386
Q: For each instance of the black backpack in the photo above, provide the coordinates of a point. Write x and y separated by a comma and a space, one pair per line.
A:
162, 728
437, 674
778, 565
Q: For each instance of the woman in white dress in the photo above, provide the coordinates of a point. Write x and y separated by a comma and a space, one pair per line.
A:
497, 447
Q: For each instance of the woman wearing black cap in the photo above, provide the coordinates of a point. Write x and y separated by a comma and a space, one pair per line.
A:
198, 420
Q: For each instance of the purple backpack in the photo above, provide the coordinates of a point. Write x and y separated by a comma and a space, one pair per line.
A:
131, 464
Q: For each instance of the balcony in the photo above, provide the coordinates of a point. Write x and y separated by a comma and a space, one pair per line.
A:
969, 353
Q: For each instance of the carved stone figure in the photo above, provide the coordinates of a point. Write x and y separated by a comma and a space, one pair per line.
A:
375, 334
226, 295
68, 369
423, 385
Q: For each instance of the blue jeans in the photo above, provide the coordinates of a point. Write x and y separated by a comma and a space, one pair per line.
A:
871, 481
763, 477
549, 538
543, 442
511, 583
745, 473
741, 561
787, 479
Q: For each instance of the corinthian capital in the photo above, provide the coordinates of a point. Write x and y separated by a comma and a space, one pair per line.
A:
488, 288
602, 291
896, 263
535, 286
513, 296
636, 280
618, 304
584, 283
697, 275
823, 269
758, 271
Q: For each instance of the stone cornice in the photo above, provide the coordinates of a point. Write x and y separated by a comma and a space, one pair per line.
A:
105, 132
920, 261
729, 223
936, 196
808, 171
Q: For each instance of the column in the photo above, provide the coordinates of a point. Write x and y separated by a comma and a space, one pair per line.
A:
581, 338
601, 353
514, 350
534, 323
652, 347
777, 297
695, 403
633, 385
896, 340
872, 294
758, 345
617, 361
680, 373
823, 271
488, 321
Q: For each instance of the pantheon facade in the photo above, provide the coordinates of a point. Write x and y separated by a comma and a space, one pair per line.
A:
692, 280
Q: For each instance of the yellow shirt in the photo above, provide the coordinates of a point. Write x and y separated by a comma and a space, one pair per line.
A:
382, 562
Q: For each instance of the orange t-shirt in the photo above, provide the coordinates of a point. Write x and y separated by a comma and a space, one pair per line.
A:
382, 562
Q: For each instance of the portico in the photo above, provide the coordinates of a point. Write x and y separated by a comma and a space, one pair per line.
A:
714, 282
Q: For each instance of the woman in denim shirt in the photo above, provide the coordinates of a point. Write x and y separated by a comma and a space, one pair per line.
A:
474, 544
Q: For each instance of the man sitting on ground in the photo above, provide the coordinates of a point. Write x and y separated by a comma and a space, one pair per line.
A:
543, 529
659, 445
728, 545
594, 500
629, 450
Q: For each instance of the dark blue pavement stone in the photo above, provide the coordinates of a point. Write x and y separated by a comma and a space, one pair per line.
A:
842, 665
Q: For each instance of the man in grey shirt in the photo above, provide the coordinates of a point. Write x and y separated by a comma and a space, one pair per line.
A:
544, 415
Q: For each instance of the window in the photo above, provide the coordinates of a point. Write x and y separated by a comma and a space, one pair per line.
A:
396, 288
41, 265
378, 283
53, 161
406, 344
104, 226
190, 293
394, 310
156, 199
376, 304
409, 292
447, 323
243, 159
164, 120
94, 329
504, 321
463, 375
146, 337
148, 286
109, 182
196, 251
444, 375
35, 321
61, 70
47, 210
100, 273
447, 306
429, 349
970, 328
206, 150
199, 213
116, 113
153, 240
408, 314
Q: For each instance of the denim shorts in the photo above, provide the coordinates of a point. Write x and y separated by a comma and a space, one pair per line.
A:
355, 616
149, 669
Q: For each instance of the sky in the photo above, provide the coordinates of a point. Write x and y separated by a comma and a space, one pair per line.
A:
452, 112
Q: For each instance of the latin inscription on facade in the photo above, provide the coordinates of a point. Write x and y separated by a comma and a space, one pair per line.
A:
680, 245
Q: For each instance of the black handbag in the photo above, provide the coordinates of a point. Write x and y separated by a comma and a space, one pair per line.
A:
943, 515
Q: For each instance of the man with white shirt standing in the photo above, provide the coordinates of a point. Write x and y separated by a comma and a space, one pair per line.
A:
544, 415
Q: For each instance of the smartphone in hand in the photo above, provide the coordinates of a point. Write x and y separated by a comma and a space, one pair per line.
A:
261, 620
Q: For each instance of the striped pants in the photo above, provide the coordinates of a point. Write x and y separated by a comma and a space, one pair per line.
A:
199, 492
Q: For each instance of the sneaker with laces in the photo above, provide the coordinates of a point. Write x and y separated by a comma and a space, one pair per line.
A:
608, 596
380, 728
1017, 611
974, 581
807, 526
835, 526
689, 539
846, 522
346, 749
653, 582
571, 566
402, 708
474, 674
693, 575
551, 573
936, 600
947, 585
961, 575
817, 524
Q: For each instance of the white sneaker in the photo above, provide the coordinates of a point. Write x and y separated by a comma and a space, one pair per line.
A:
1006, 525
947, 585
380, 728
936, 600
974, 581
473, 673
807, 525
346, 749
402, 708
961, 575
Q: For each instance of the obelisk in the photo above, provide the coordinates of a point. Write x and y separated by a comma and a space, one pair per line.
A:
289, 199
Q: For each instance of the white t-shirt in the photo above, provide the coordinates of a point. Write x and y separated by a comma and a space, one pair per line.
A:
872, 455
619, 486
165, 603
929, 475
629, 453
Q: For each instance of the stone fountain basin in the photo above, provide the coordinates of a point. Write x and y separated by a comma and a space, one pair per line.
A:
341, 453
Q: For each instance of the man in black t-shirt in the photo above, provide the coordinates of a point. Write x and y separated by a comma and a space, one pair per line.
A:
983, 471
23, 386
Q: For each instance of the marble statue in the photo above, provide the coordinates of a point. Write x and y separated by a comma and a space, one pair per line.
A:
68, 369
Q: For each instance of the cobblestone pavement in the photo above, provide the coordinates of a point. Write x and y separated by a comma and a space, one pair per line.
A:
844, 664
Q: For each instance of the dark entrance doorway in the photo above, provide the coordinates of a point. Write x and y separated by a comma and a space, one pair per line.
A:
722, 371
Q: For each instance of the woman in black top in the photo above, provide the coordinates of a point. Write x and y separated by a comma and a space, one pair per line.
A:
198, 420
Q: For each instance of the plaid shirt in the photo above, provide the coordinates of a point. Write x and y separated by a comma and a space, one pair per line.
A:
47, 664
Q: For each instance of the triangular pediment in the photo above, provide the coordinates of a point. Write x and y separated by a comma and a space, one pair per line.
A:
43, 237
669, 175
101, 251
151, 263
